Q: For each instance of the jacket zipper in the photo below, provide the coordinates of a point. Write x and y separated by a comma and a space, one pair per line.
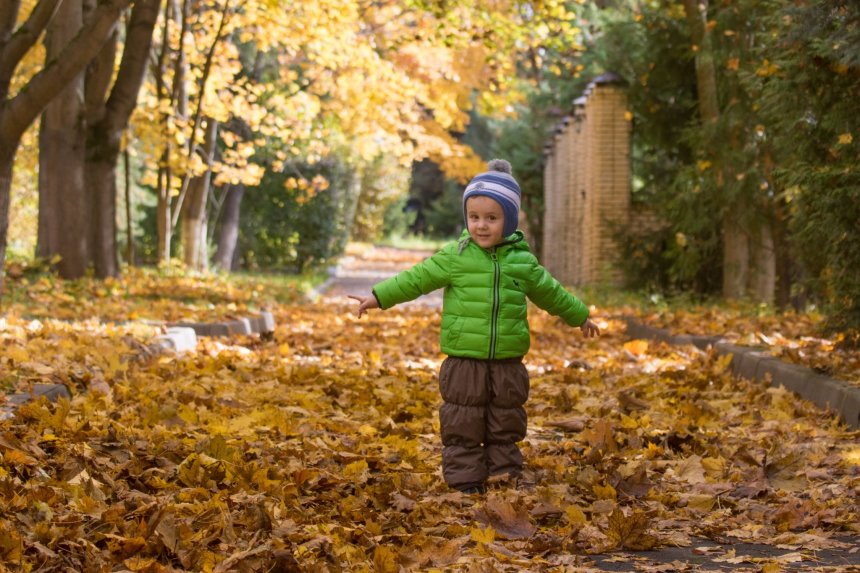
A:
494, 319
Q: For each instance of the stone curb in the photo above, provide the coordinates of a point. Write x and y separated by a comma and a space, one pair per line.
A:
825, 392
180, 337
262, 324
52, 392
174, 340
177, 339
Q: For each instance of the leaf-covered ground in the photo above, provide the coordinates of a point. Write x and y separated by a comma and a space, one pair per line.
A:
319, 451
798, 337
145, 295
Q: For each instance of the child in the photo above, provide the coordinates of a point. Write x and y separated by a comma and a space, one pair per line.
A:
487, 276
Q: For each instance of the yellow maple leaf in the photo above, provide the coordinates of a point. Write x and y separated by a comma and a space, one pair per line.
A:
385, 560
604, 491
356, 471
367, 431
483, 535
636, 347
575, 516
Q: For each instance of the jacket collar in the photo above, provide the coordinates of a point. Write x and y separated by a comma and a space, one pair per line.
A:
515, 241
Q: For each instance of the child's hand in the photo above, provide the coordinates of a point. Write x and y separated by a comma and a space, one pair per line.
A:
365, 303
589, 329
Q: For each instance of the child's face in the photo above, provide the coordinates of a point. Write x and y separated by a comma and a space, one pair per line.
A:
486, 221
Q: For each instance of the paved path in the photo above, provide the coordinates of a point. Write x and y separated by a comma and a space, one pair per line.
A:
356, 274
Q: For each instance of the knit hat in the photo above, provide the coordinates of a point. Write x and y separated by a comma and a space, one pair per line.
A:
497, 184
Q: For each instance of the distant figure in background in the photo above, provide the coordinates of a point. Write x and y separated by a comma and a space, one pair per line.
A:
419, 225
487, 275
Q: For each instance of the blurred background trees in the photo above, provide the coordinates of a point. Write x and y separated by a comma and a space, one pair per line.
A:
266, 134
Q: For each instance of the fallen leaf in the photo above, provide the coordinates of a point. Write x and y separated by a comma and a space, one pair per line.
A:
630, 532
569, 425
385, 560
508, 521
636, 347
402, 503
483, 535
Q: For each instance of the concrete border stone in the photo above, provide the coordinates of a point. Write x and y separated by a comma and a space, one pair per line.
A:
177, 339
205, 328
751, 363
263, 324
238, 326
268, 322
52, 392
180, 337
256, 323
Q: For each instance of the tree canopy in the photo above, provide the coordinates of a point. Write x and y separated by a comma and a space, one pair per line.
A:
744, 133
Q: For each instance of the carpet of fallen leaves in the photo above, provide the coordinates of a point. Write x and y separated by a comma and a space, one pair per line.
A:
140, 295
319, 451
796, 337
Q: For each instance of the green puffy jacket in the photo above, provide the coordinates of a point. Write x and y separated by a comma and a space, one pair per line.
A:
484, 313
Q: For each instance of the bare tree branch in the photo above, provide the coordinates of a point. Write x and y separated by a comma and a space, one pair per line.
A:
192, 146
16, 46
123, 97
8, 17
23, 109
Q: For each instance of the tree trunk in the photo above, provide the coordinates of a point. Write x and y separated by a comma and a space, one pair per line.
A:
784, 263
129, 222
164, 224
109, 119
7, 160
762, 263
194, 219
706, 73
735, 241
100, 166
64, 208
735, 254
229, 237
163, 220
356, 181
18, 113
194, 224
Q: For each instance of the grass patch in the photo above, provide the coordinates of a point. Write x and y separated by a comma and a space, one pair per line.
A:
413, 243
281, 288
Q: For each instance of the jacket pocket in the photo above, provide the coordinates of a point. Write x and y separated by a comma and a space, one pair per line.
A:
452, 327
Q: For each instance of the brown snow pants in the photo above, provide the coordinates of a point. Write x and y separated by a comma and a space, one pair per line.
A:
482, 418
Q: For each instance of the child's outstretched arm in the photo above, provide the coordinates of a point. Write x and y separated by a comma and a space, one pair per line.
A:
365, 303
546, 292
589, 329
427, 276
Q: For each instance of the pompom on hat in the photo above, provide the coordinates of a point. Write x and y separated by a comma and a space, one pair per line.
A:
497, 184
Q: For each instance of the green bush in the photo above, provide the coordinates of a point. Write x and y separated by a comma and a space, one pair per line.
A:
810, 110
294, 229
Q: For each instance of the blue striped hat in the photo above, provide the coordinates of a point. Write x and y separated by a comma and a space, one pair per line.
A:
498, 184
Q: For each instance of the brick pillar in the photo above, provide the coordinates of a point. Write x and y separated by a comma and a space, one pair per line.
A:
610, 175
577, 204
587, 186
548, 203
563, 205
